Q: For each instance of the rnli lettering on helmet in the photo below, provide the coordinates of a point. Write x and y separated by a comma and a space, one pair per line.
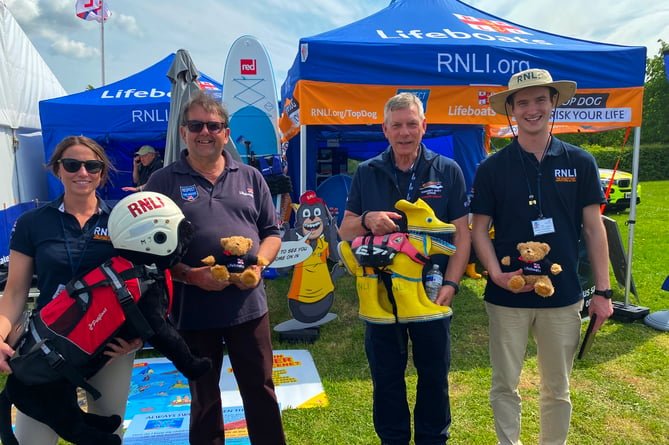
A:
144, 205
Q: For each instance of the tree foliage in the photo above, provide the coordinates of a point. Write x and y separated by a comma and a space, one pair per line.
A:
655, 125
655, 118
612, 138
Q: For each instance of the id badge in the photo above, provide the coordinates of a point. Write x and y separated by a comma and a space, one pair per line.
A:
543, 226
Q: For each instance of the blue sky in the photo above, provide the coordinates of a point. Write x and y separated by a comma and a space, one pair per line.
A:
142, 32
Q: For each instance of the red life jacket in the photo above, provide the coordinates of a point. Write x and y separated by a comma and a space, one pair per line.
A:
66, 337
379, 251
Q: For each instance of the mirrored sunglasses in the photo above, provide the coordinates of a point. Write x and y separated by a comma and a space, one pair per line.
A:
197, 126
74, 165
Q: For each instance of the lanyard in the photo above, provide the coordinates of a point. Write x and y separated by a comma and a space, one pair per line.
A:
88, 235
411, 184
412, 181
410, 189
532, 199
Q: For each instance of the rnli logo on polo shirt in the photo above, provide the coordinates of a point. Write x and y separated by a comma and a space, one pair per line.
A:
248, 192
431, 189
565, 175
101, 234
188, 192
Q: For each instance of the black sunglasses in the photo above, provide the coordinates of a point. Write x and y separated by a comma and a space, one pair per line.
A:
213, 127
74, 165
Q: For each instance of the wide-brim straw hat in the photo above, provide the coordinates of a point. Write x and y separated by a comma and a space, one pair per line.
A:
533, 77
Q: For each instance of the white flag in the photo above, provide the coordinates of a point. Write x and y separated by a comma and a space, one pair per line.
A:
93, 10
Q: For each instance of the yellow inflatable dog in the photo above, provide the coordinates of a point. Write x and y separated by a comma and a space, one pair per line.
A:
397, 260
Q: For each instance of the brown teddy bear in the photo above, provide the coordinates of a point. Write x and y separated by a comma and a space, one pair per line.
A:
535, 267
232, 264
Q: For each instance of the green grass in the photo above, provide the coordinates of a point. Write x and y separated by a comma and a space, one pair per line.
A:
620, 391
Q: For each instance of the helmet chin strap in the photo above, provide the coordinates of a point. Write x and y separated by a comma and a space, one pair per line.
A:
508, 118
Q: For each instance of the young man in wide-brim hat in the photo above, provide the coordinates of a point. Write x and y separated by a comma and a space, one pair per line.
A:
538, 188
501, 102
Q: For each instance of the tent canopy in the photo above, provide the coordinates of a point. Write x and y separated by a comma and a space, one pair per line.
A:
121, 116
453, 57
25, 79
429, 42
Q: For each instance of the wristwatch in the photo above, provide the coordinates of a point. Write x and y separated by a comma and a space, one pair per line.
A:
608, 293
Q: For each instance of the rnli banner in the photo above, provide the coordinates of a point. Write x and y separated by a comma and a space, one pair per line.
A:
454, 56
326, 103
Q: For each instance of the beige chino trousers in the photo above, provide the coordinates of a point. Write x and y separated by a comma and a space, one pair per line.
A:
557, 333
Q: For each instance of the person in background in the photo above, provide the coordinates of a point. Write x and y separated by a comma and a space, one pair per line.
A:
146, 161
538, 188
57, 242
409, 170
222, 197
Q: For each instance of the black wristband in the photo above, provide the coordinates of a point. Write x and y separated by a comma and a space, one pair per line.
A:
362, 220
452, 284
184, 273
608, 293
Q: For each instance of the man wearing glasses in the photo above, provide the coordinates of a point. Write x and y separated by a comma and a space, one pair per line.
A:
222, 197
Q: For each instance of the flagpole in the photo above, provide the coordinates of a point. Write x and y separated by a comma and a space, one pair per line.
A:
102, 41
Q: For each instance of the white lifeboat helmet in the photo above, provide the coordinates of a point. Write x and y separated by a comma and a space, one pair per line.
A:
146, 222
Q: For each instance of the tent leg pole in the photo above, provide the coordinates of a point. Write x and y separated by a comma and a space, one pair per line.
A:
626, 311
632, 217
303, 159
18, 197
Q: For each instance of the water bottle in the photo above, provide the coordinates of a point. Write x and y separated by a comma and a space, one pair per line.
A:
433, 282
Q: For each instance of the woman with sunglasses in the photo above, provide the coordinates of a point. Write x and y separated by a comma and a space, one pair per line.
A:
57, 242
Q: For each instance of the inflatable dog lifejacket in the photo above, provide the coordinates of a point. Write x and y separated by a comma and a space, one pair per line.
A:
389, 268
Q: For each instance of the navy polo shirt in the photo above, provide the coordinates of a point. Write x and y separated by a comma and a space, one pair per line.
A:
60, 247
505, 186
239, 203
437, 180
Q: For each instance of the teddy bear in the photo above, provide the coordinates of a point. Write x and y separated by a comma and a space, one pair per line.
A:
536, 268
232, 265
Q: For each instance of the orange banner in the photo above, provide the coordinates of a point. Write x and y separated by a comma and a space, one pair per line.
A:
324, 103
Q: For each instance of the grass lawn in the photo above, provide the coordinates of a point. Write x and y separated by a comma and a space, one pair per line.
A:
620, 390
